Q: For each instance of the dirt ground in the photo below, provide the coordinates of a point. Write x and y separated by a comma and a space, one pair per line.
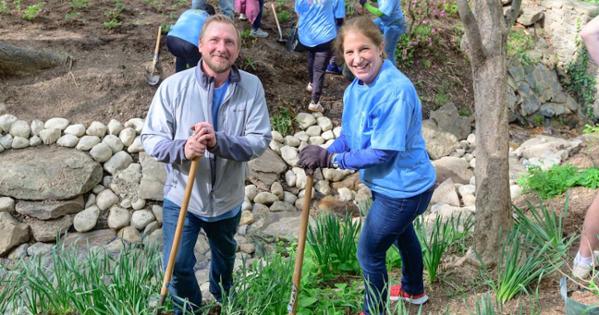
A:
106, 81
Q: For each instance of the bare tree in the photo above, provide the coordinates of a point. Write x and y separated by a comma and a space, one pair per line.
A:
486, 31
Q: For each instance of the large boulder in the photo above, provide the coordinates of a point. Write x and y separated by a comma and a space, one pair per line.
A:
13, 233
46, 231
266, 169
153, 176
48, 209
448, 119
438, 143
47, 173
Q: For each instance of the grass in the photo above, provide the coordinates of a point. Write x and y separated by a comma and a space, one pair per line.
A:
516, 269
519, 42
99, 283
67, 282
333, 245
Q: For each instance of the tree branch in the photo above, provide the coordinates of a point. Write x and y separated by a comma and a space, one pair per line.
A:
477, 52
512, 15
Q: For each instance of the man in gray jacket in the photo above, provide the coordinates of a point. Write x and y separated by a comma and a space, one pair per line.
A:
217, 114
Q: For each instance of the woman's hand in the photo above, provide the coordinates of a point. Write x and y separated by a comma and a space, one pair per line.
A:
313, 157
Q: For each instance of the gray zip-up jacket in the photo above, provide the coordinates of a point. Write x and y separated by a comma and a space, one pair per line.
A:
244, 133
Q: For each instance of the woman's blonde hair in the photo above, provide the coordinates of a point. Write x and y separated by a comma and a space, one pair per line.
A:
360, 24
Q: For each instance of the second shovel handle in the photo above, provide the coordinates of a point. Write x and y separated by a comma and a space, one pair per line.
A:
157, 47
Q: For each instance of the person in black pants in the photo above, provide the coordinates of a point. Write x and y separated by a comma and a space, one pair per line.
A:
182, 39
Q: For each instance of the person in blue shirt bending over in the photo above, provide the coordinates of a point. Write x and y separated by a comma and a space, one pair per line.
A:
317, 28
381, 136
182, 39
226, 6
390, 21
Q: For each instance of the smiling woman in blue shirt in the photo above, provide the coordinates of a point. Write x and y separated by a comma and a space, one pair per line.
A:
382, 138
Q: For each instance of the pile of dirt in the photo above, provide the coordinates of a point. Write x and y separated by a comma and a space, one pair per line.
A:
106, 80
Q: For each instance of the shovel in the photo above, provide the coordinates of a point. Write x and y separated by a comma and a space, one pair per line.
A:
274, 11
178, 231
301, 242
153, 72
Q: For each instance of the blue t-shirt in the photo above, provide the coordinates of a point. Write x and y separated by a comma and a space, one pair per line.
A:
391, 10
386, 115
189, 25
217, 101
316, 24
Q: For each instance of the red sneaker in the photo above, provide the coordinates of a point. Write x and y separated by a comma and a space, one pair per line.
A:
396, 293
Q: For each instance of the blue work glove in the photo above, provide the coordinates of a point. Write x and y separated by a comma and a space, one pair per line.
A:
362, 2
313, 157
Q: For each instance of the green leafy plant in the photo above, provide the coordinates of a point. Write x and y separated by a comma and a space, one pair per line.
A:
558, 179
520, 264
550, 183
420, 32
79, 4
519, 42
442, 235
97, 283
111, 24
434, 245
333, 244
578, 80
32, 11
261, 288
114, 15
248, 64
284, 16
245, 33
3, 7
545, 227
588, 129
282, 122
484, 305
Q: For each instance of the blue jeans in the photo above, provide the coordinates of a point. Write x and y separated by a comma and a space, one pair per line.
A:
187, 55
226, 6
258, 20
222, 248
389, 222
391, 34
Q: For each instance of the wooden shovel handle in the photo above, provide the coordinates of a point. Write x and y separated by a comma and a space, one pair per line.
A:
156, 48
274, 11
178, 231
301, 242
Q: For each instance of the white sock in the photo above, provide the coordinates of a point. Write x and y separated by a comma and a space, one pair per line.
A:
580, 260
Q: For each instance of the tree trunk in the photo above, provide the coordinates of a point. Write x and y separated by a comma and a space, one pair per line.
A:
17, 61
486, 32
493, 203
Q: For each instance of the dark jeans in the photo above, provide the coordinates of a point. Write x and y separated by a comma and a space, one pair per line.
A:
389, 222
318, 59
222, 248
258, 20
187, 55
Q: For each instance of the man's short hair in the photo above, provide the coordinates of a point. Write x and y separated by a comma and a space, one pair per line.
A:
221, 18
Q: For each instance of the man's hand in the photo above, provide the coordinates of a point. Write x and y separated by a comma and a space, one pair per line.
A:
313, 157
194, 147
362, 2
206, 134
